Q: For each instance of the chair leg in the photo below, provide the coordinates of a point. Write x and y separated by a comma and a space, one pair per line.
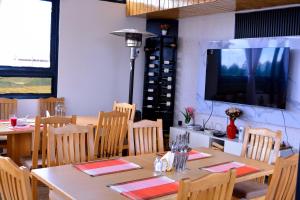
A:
34, 183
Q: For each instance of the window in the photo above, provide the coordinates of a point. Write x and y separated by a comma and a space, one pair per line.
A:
28, 48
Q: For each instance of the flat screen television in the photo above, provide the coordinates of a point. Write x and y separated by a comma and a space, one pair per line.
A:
253, 76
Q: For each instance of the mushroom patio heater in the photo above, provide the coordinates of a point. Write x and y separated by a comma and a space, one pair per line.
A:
133, 39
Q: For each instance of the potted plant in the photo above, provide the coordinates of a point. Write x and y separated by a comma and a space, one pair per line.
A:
188, 116
164, 28
232, 113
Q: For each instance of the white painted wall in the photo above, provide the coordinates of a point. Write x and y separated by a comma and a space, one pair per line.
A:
93, 68
195, 33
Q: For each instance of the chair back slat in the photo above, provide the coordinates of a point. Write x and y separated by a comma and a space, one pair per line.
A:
217, 186
145, 137
49, 104
14, 181
7, 107
41, 135
125, 108
70, 144
258, 144
284, 179
110, 134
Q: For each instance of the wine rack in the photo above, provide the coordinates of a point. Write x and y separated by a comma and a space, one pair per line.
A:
160, 74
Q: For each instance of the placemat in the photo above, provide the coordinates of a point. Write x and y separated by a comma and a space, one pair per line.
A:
103, 167
148, 188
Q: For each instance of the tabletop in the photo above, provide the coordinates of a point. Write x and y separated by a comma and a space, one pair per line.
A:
74, 184
6, 129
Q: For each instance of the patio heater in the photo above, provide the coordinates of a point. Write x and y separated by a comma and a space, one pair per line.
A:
133, 39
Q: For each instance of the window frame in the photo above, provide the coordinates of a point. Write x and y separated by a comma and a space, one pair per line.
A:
39, 72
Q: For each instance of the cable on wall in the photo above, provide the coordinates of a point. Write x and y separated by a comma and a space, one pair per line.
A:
285, 131
211, 112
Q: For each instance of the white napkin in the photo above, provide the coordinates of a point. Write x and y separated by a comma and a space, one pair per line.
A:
168, 158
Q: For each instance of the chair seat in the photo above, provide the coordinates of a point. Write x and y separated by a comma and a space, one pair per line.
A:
249, 190
27, 162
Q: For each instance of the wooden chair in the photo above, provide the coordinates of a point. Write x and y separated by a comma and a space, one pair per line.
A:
125, 107
145, 137
284, 179
110, 133
14, 181
48, 104
215, 186
41, 137
70, 144
262, 145
283, 182
7, 107
258, 144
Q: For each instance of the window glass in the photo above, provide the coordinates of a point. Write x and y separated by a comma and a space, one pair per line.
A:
25, 33
14, 85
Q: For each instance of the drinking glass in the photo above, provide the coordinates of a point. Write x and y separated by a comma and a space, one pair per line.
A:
13, 120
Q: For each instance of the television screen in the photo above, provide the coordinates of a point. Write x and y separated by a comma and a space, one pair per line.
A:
254, 76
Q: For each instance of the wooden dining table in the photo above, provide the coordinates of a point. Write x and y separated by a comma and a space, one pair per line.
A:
71, 183
19, 140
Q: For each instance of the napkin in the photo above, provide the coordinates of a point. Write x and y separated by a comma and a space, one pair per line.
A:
167, 161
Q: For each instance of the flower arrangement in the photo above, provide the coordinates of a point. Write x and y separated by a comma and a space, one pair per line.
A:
188, 114
164, 26
233, 113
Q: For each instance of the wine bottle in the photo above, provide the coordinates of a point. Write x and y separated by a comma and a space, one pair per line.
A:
150, 98
150, 90
167, 95
169, 78
169, 87
147, 49
153, 58
151, 82
171, 45
150, 73
152, 65
149, 106
168, 62
167, 70
168, 103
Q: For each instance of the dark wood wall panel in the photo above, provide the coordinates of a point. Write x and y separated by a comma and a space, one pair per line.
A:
268, 23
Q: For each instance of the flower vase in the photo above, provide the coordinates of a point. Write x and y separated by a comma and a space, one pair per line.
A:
164, 32
189, 124
231, 129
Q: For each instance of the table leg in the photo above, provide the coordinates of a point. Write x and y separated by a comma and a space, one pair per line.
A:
18, 145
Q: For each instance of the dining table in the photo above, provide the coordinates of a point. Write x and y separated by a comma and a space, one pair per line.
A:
19, 138
71, 183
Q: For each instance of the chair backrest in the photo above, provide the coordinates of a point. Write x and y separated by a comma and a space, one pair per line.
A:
284, 179
41, 135
7, 107
145, 137
260, 144
110, 134
48, 104
125, 107
14, 181
216, 186
70, 144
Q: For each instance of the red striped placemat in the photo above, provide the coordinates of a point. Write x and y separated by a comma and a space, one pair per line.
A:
241, 168
148, 188
103, 167
195, 155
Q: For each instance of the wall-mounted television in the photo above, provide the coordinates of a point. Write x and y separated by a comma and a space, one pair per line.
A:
253, 76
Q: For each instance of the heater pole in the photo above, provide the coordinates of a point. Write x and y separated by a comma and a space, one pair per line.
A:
131, 80
133, 54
